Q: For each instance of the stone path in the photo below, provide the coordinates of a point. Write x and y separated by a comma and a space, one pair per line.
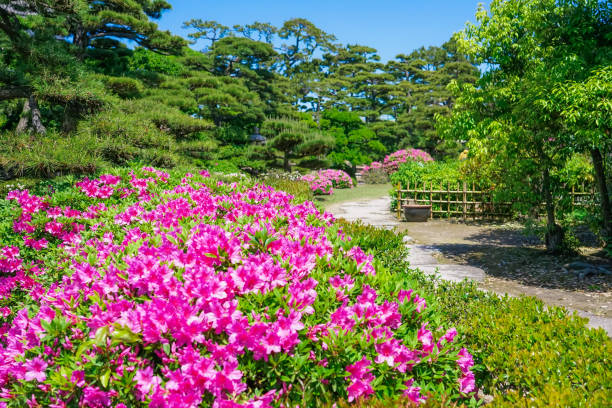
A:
376, 212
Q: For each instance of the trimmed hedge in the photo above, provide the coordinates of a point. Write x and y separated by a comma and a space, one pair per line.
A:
526, 354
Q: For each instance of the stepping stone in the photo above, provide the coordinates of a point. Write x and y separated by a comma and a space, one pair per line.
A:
454, 273
421, 255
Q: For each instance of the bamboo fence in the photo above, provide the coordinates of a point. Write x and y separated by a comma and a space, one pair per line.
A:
463, 200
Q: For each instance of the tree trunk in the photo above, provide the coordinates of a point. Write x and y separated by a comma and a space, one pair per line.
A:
69, 123
36, 117
80, 40
600, 177
286, 162
22, 126
31, 118
554, 233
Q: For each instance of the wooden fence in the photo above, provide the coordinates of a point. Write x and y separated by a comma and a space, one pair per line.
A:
465, 201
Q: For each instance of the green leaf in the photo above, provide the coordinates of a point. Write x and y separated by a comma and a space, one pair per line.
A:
105, 377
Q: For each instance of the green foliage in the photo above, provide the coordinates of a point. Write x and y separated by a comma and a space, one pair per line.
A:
146, 62
48, 156
300, 190
376, 176
531, 112
295, 138
531, 351
577, 172
124, 87
355, 143
438, 173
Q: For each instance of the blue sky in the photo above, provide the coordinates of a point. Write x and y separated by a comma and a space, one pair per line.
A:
391, 26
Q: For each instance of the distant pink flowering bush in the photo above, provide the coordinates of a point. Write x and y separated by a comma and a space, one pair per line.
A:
187, 291
392, 161
324, 181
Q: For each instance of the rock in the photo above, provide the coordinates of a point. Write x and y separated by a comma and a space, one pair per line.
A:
486, 399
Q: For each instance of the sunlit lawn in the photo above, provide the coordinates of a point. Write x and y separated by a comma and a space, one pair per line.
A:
352, 194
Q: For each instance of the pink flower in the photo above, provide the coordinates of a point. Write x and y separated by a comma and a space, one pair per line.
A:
358, 389
467, 383
191, 277
449, 336
426, 338
146, 381
35, 369
95, 398
413, 393
465, 361
420, 302
360, 368
78, 378
387, 352
404, 295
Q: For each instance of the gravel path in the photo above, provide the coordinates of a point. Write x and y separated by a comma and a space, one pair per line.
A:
427, 258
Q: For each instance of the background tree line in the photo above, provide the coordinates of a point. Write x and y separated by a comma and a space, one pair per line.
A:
100, 78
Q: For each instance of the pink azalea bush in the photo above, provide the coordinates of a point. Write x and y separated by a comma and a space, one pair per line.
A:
324, 181
186, 291
392, 161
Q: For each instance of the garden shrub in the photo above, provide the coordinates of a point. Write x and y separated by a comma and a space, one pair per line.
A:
300, 190
439, 174
324, 181
375, 176
124, 87
50, 155
202, 149
526, 353
392, 161
533, 354
145, 288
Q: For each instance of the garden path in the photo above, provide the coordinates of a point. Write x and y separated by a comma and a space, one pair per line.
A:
498, 258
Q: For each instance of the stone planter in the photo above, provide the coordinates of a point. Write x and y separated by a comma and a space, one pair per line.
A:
417, 213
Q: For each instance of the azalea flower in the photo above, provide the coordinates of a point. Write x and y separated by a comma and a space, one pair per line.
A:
35, 369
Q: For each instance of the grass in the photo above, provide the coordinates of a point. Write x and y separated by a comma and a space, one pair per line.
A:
351, 194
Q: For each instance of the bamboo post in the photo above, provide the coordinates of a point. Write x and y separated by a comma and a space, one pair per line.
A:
573, 197
408, 193
457, 198
431, 199
464, 199
399, 201
448, 213
473, 200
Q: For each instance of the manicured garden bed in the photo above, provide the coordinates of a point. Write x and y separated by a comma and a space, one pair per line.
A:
143, 288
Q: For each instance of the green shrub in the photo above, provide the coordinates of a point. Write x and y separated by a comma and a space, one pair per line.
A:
527, 354
376, 176
168, 119
300, 190
159, 158
202, 149
49, 155
118, 152
124, 87
438, 173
